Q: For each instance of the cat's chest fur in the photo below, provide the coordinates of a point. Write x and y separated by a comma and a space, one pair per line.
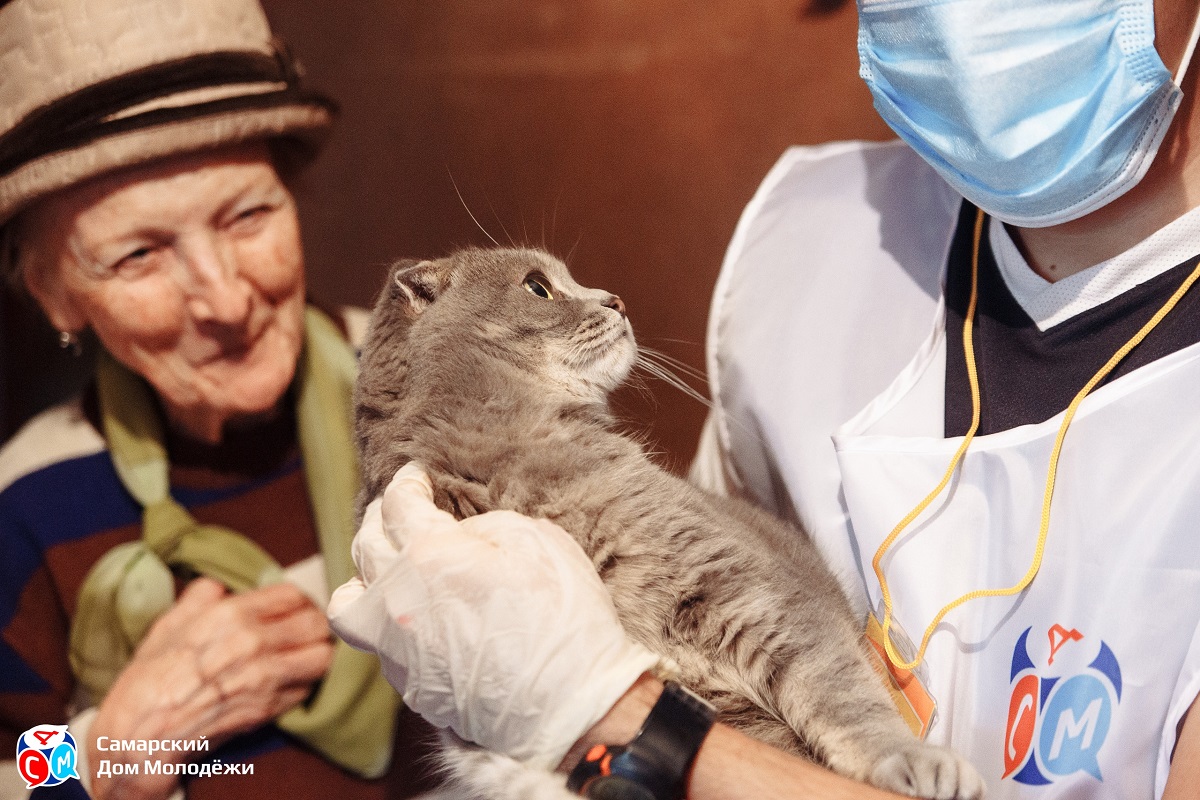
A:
551, 463
665, 550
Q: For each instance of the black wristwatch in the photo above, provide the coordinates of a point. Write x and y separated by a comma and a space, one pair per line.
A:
654, 766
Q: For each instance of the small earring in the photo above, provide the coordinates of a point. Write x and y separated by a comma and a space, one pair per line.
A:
67, 339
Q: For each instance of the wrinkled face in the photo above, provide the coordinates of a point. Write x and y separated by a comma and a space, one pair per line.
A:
523, 307
191, 274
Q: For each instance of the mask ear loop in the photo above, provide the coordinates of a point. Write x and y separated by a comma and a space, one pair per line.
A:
1188, 52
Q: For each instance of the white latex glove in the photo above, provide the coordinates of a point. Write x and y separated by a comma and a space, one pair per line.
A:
496, 627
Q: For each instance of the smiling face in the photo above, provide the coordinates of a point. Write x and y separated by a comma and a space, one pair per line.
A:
190, 272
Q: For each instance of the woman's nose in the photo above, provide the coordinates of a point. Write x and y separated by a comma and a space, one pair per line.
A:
217, 292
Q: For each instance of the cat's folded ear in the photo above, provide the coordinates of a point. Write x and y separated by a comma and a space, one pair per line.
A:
417, 283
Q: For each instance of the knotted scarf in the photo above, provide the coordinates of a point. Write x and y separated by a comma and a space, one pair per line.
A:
351, 717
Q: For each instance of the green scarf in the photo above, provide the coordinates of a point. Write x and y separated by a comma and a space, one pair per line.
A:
351, 717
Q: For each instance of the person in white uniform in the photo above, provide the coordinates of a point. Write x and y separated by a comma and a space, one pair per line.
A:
966, 362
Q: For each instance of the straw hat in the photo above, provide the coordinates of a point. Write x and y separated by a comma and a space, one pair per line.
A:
88, 86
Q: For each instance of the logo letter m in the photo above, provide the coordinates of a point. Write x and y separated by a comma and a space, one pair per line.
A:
1070, 728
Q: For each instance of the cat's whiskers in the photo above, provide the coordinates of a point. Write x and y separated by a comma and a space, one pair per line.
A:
454, 183
584, 331
642, 387
597, 339
604, 359
679, 366
660, 365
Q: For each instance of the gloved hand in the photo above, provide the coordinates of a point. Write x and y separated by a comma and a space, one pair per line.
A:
496, 627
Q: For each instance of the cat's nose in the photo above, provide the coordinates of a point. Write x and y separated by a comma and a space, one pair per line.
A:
615, 304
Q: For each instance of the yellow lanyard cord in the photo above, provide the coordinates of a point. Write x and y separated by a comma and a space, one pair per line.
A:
973, 379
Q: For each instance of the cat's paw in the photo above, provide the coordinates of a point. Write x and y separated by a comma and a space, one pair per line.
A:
930, 772
461, 497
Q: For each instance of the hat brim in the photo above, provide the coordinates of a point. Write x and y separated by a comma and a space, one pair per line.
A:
307, 122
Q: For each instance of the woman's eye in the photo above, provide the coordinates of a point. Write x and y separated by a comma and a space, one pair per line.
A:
251, 213
135, 260
536, 286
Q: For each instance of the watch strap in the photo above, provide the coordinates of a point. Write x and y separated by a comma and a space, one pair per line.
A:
659, 756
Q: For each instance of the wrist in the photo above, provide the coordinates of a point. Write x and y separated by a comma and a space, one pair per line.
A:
656, 764
119, 718
621, 723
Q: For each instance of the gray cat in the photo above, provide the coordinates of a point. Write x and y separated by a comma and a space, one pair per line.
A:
493, 368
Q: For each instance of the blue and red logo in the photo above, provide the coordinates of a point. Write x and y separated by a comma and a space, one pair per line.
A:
46, 756
1057, 725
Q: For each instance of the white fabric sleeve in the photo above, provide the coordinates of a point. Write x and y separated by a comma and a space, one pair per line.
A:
708, 470
1187, 689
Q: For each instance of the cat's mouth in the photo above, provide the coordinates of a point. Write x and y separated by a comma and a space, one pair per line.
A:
605, 355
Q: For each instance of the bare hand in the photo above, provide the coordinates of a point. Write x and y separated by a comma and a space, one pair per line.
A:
213, 666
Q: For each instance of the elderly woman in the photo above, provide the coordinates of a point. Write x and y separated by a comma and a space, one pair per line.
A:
170, 537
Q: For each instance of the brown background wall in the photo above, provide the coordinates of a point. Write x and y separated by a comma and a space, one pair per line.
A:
628, 135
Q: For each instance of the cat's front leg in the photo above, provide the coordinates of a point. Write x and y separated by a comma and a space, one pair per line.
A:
856, 731
925, 770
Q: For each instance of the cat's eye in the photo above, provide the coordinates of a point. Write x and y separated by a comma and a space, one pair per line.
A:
538, 285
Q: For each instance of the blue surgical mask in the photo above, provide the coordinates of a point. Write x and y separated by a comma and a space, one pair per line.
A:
1037, 111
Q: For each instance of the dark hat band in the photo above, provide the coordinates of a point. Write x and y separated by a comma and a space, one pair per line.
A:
87, 115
